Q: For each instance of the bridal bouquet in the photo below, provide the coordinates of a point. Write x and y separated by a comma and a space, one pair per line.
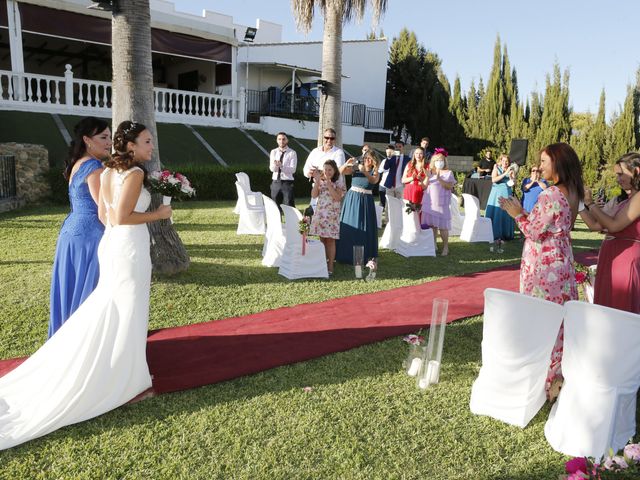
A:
626, 465
170, 184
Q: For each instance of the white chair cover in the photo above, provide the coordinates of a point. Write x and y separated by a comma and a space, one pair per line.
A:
596, 408
243, 179
274, 239
457, 219
293, 265
251, 215
393, 230
518, 335
475, 228
378, 215
415, 242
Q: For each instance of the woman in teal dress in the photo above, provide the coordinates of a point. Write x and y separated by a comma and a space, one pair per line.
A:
502, 177
358, 225
75, 267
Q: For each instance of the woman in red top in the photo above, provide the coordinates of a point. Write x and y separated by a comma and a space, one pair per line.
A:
415, 180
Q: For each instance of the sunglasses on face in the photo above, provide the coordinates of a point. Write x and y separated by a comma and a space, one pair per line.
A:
329, 138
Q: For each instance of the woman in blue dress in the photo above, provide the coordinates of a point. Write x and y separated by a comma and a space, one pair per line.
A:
502, 177
358, 225
75, 267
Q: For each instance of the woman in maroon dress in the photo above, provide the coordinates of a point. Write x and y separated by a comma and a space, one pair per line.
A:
618, 274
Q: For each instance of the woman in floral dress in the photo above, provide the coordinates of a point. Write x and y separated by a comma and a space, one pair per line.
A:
547, 269
328, 188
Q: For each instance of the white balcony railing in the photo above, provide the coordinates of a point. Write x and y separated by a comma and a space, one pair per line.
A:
45, 93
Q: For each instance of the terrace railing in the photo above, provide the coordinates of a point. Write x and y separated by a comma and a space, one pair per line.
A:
46, 93
275, 103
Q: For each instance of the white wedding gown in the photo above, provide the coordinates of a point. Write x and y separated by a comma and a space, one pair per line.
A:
96, 361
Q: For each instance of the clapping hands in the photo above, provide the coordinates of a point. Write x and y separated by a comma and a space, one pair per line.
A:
511, 205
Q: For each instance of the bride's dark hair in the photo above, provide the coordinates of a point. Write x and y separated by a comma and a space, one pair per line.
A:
126, 132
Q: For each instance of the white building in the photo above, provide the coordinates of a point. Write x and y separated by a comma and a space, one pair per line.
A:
55, 57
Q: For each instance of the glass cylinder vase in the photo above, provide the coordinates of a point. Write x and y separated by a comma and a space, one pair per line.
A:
413, 362
429, 373
358, 260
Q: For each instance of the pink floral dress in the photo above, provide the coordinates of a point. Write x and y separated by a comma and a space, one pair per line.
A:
326, 218
547, 269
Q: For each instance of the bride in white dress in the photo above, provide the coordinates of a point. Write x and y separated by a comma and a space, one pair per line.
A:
96, 361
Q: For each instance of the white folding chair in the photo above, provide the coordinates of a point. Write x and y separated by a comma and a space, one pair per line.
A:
596, 408
251, 215
378, 215
274, 239
293, 264
415, 242
457, 219
475, 228
243, 179
392, 231
518, 335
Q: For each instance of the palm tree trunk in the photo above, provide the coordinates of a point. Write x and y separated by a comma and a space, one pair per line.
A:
132, 99
331, 103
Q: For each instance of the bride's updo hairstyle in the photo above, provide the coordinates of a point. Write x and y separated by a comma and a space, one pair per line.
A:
126, 132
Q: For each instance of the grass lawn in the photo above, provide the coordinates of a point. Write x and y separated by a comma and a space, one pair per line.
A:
363, 418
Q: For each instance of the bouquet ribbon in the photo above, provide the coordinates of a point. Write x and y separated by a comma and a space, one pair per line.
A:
304, 243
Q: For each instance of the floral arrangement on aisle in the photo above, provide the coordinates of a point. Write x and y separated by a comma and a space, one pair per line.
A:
413, 339
171, 184
303, 228
411, 207
372, 265
585, 278
413, 362
626, 465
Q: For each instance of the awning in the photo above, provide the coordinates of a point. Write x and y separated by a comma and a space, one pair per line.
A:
87, 28
310, 71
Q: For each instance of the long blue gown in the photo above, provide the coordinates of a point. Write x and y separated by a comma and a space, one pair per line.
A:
503, 224
358, 224
75, 267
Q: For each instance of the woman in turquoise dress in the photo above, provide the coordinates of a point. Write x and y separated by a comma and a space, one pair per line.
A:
502, 177
358, 225
75, 267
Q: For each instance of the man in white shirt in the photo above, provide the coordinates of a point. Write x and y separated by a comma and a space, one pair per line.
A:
319, 155
282, 163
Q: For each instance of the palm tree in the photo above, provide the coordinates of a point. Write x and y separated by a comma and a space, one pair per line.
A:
335, 13
132, 99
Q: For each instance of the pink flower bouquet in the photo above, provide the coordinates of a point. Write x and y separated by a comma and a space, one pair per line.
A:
169, 184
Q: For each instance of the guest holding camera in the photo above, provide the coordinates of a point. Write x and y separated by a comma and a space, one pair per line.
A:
358, 225
503, 176
328, 188
436, 212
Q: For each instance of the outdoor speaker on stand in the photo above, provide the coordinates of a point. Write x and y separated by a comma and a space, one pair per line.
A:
518, 152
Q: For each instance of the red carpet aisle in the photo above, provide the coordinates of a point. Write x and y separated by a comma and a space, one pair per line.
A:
195, 355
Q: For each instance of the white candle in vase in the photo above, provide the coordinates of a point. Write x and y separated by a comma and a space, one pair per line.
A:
414, 368
433, 371
358, 271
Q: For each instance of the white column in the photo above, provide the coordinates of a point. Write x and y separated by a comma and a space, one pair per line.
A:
15, 47
15, 37
234, 71
293, 87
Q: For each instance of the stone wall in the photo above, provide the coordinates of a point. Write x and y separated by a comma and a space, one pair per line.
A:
32, 163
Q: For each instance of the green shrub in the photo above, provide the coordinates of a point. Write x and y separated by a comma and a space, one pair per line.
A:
58, 185
213, 182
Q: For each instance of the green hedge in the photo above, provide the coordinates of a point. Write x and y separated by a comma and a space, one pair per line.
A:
211, 182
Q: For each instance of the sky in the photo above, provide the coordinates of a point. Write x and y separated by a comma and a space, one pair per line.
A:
596, 40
